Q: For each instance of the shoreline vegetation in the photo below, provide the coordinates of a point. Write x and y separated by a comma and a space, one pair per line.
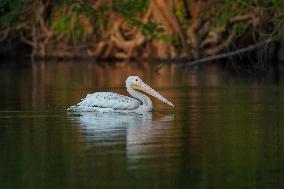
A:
195, 31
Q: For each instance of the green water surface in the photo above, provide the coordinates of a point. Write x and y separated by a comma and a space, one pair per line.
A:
224, 132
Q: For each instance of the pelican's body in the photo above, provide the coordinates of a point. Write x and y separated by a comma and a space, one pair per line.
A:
108, 101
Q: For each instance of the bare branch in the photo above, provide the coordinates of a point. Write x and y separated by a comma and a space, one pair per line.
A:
4, 34
27, 41
226, 55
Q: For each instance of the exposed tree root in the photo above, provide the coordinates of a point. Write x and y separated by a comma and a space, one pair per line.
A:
195, 34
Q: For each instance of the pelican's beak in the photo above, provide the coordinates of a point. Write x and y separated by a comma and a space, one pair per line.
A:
147, 89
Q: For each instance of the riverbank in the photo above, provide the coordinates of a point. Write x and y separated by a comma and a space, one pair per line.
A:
141, 30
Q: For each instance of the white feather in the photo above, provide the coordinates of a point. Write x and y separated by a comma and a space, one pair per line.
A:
108, 100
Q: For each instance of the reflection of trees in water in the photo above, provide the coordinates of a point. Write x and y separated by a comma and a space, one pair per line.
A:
61, 83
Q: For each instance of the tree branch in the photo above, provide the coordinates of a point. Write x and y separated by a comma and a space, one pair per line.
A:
4, 34
225, 55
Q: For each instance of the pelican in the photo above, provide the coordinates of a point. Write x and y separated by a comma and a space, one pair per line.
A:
113, 102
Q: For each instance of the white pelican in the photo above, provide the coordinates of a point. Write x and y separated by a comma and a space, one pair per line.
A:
108, 101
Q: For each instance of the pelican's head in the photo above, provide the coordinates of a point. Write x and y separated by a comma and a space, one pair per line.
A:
136, 83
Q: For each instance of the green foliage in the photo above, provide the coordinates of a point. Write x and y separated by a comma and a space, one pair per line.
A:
147, 29
11, 11
97, 16
179, 11
11, 18
62, 25
171, 39
78, 32
68, 26
271, 4
10, 5
227, 9
278, 36
87, 10
223, 19
130, 8
240, 28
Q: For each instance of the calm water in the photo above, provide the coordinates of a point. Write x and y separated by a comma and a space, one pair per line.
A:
224, 132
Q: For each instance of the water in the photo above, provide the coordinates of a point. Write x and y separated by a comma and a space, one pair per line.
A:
224, 132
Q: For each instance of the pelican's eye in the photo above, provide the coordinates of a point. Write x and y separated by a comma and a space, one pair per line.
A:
136, 79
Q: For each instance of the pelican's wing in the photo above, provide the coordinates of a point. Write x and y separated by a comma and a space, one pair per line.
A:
107, 100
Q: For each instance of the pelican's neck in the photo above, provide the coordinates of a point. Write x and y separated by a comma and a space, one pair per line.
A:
146, 101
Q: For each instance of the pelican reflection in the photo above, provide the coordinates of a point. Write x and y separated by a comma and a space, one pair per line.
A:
138, 131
